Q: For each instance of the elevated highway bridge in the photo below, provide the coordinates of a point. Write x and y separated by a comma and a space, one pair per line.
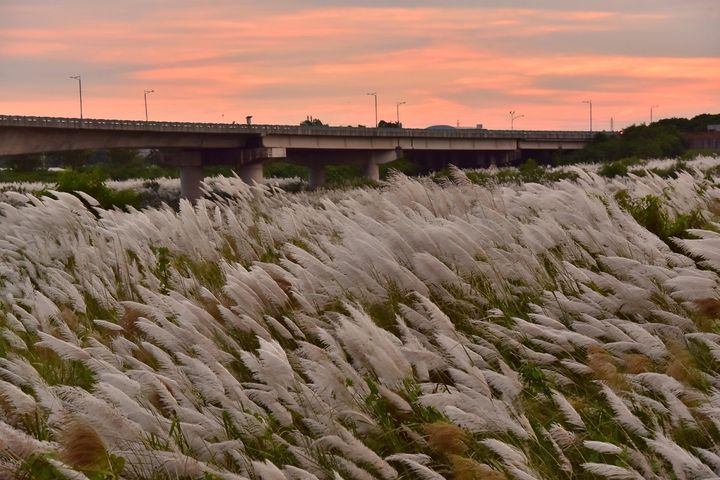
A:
190, 146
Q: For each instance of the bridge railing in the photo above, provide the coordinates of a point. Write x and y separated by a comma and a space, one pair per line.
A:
295, 130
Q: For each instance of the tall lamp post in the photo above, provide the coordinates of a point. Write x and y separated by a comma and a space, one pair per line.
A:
651, 111
514, 117
589, 102
145, 94
79, 79
397, 106
374, 94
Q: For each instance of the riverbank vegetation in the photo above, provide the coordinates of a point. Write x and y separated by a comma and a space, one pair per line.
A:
422, 328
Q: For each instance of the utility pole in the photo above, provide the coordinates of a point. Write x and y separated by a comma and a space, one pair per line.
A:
145, 94
397, 105
374, 94
79, 79
651, 111
589, 102
514, 117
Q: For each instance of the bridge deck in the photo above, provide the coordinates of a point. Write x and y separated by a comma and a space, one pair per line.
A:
225, 128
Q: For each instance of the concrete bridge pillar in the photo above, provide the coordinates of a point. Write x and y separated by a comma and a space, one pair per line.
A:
371, 166
252, 173
191, 177
316, 177
191, 172
371, 170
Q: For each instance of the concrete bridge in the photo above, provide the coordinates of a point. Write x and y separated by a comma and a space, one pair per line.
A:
190, 146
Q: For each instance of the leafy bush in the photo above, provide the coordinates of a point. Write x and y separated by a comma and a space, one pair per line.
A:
92, 182
284, 170
649, 212
618, 168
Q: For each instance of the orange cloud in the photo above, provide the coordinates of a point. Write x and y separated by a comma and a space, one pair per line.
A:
210, 62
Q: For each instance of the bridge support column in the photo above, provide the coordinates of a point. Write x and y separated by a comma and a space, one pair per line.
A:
371, 170
190, 178
371, 166
316, 177
252, 173
191, 171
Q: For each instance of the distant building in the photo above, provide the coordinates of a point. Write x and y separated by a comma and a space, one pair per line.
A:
709, 140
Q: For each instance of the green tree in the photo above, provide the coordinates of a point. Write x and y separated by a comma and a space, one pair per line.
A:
384, 124
312, 122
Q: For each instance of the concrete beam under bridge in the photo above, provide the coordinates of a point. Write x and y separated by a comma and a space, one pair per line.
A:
248, 161
316, 160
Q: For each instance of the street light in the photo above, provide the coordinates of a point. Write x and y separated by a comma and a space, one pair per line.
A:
145, 94
374, 94
589, 102
397, 106
651, 111
79, 79
513, 117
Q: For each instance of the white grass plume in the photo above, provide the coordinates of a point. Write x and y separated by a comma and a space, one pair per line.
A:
611, 471
622, 413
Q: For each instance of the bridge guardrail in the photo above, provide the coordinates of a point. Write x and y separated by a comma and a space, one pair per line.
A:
295, 130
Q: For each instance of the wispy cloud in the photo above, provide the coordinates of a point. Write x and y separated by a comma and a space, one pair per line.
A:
280, 62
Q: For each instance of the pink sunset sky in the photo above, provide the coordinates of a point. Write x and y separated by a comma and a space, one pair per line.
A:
452, 61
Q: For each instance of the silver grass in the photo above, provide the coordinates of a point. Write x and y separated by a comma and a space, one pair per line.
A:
65, 350
295, 473
272, 405
114, 327
639, 462
440, 322
353, 449
650, 345
354, 472
458, 354
19, 372
21, 402
684, 464
539, 358
267, 471
508, 386
576, 367
14, 340
372, 348
602, 447
712, 459
510, 455
659, 382
13, 323
419, 470
622, 414
29, 322
611, 471
562, 459
472, 378
243, 322
520, 474
571, 415
395, 400
650, 403
362, 423
679, 412
20, 444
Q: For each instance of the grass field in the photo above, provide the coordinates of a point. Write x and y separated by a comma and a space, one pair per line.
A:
465, 326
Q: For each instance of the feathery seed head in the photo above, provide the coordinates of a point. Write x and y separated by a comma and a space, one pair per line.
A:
445, 437
81, 446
